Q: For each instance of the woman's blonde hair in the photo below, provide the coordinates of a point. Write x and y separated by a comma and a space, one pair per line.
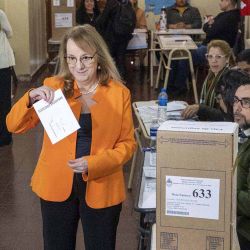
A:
87, 38
225, 48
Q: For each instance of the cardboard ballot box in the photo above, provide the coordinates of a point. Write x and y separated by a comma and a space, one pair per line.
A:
196, 186
63, 17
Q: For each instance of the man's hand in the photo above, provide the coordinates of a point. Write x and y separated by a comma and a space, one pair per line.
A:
190, 111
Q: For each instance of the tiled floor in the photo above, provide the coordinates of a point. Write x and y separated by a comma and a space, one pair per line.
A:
20, 218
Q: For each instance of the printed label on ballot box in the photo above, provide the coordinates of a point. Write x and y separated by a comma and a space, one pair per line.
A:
192, 197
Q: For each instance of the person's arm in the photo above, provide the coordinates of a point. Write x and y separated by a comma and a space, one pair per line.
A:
141, 22
196, 17
5, 25
112, 160
22, 115
243, 183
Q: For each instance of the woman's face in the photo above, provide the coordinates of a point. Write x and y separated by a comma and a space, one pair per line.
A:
224, 4
89, 5
82, 64
217, 60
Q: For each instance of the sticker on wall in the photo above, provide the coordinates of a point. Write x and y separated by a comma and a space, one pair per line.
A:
56, 2
63, 20
70, 3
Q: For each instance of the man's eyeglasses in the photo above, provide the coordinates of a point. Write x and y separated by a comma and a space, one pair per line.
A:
84, 60
244, 102
216, 57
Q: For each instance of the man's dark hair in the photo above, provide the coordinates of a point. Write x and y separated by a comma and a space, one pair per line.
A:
234, 2
244, 56
227, 87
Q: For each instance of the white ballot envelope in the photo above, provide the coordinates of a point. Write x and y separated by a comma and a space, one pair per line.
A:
57, 118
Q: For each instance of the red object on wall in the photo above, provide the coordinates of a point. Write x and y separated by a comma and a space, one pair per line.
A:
245, 8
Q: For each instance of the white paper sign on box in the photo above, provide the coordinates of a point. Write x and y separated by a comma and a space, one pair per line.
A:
192, 197
57, 118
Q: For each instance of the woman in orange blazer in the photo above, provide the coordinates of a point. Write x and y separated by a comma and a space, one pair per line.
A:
81, 176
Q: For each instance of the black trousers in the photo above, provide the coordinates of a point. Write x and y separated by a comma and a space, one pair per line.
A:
5, 103
118, 51
60, 221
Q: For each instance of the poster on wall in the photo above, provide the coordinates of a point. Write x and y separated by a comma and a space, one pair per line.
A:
156, 5
245, 7
63, 20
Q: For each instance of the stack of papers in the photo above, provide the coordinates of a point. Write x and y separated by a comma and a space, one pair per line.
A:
174, 108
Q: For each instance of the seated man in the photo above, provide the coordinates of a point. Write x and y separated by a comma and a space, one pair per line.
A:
224, 95
243, 60
182, 15
241, 108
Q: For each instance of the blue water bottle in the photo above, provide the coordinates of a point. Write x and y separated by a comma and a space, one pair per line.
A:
162, 106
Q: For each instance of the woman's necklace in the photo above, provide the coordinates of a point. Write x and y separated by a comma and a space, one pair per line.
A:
91, 16
92, 89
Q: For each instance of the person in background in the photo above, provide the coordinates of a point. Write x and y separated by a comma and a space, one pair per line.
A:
117, 43
218, 56
182, 15
224, 94
7, 61
81, 176
87, 12
101, 5
141, 23
222, 27
225, 90
241, 108
243, 60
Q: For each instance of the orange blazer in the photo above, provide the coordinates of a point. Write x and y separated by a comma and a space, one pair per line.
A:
112, 146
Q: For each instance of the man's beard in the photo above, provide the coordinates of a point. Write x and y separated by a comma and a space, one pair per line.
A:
246, 124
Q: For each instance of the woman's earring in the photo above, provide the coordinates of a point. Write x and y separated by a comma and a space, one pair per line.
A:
99, 67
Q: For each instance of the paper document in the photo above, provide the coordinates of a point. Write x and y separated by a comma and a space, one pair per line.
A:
57, 118
150, 172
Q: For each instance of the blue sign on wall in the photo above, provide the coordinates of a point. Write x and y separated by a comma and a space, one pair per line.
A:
156, 5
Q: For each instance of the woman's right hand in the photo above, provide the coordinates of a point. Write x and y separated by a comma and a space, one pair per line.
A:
43, 92
190, 111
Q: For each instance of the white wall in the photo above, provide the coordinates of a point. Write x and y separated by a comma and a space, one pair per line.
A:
27, 18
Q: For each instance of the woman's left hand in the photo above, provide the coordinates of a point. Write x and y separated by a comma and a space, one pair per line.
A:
79, 165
